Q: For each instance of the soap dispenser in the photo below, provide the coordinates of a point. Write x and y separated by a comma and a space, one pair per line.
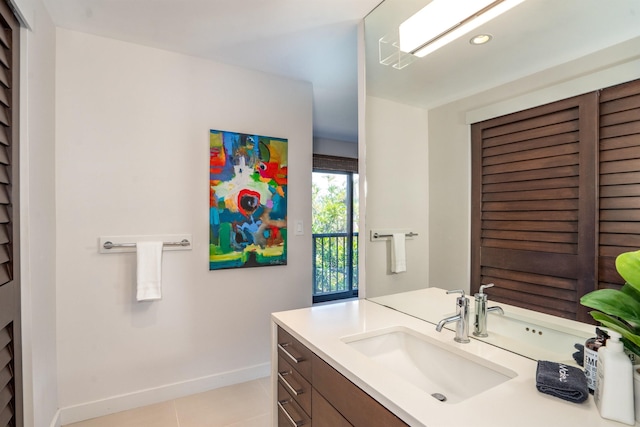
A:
614, 383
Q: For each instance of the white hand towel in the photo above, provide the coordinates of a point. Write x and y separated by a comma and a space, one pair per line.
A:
398, 253
149, 271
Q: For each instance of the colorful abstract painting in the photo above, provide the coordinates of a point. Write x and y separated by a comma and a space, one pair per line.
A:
248, 200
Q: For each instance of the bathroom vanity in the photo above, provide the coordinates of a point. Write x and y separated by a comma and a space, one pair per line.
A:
363, 364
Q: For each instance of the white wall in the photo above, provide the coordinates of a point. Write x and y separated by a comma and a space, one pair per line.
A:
132, 159
38, 217
333, 147
396, 193
450, 146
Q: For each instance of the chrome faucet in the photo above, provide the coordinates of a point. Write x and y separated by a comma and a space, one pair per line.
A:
480, 323
461, 317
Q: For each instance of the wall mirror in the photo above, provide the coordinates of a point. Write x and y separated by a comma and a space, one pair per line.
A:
540, 51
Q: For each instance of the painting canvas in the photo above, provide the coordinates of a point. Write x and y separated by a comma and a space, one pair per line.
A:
248, 200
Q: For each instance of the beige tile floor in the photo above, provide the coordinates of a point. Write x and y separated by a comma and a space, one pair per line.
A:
241, 405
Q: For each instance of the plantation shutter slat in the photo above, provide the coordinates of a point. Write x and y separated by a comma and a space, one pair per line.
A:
531, 133
540, 153
536, 143
619, 208
4, 100
525, 176
529, 213
4, 40
5, 78
4, 116
4, 137
5, 273
619, 100
4, 59
531, 185
6, 377
4, 195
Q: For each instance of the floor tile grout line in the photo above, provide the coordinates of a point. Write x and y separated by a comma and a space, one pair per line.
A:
245, 420
266, 388
175, 410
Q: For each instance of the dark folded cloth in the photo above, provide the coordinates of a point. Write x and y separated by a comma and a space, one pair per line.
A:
566, 382
578, 356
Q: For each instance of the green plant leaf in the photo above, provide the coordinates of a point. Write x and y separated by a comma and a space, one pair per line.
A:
631, 291
632, 347
614, 303
616, 325
628, 266
608, 321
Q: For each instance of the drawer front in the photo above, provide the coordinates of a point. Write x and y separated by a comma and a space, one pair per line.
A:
349, 399
296, 354
325, 415
295, 384
290, 414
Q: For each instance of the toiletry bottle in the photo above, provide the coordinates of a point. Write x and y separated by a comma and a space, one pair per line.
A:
614, 383
591, 357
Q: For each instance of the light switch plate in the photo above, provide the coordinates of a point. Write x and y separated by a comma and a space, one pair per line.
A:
299, 231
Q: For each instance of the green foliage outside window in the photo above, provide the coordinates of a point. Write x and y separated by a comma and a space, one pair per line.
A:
329, 208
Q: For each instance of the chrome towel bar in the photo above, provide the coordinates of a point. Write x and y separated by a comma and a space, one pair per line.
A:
110, 245
379, 236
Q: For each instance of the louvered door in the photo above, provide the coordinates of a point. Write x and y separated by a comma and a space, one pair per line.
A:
10, 356
533, 206
619, 178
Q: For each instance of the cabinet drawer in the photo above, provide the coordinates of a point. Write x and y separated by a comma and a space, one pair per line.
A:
296, 354
290, 414
325, 415
354, 404
295, 384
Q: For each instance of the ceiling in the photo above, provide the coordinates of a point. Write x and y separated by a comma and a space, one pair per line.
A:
316, 41
534, 36
310, 40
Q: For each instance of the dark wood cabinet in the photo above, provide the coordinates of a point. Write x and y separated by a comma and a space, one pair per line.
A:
312, 393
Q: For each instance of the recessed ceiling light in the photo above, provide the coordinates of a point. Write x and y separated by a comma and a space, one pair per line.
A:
481, 39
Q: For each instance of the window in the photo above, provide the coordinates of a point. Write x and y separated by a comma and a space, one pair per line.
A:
335, 228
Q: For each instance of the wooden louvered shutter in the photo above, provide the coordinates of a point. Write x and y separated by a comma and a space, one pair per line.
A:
11, 411
619, 178
533, 206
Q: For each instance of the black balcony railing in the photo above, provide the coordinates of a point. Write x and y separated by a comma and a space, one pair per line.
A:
335, 266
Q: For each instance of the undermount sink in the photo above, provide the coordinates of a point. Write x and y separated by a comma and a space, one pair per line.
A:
443, 371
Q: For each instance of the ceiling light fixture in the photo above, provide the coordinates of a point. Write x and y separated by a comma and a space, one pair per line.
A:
442, 21
480, 39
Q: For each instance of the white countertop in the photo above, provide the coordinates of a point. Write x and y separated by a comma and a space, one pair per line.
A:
515, 402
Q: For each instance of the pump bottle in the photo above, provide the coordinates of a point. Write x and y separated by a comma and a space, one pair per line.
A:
614, 383
590, 362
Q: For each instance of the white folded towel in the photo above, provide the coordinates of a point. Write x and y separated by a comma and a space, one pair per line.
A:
149, 271
398, 253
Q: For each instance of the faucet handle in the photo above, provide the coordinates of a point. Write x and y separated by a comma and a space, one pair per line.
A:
457, 291
483, 287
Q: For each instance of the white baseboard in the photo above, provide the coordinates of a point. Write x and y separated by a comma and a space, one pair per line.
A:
123, 402
55, 422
